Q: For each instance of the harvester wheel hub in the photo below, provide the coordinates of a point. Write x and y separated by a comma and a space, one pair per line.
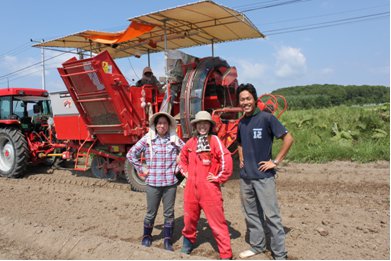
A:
7, 155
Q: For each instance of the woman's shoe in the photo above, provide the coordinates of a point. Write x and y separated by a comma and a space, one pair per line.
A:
247, 253
168, 231
187, 246
147, 237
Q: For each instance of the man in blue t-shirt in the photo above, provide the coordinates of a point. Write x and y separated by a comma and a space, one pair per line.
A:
256, 131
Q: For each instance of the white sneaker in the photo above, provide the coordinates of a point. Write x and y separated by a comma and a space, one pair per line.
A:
247, 253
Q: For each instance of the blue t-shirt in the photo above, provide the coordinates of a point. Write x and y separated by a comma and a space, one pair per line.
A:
256, 134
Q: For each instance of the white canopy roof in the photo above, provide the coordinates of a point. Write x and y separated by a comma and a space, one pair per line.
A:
194, 24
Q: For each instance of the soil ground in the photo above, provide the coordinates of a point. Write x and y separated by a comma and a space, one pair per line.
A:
338, 210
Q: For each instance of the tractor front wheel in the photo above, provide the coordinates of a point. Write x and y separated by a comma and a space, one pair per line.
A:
136, 181
14, 152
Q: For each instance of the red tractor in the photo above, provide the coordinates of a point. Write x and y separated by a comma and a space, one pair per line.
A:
25, 130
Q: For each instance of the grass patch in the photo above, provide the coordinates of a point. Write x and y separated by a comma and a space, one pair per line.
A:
359, 134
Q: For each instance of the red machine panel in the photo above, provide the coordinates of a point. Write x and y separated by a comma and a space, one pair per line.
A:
70, 127
112, 111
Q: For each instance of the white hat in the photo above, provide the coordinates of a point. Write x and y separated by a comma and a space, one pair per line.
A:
152, 132
203, 116
173, 124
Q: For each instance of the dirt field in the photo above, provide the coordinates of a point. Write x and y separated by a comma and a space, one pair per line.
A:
338, 210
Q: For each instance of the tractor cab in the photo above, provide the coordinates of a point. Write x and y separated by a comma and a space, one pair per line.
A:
20, 106
32, 112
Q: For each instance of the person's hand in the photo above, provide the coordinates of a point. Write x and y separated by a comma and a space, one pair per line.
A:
266, 165
144, 174
212, 178
241, 164
185, 174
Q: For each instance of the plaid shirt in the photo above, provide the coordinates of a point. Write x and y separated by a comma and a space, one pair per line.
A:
161, 164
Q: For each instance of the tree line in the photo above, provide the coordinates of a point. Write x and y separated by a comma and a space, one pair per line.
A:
328, 95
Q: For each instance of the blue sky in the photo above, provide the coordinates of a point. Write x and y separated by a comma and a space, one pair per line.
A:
355, 52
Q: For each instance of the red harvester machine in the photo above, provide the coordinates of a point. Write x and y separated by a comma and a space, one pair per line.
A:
101, 115
114, 115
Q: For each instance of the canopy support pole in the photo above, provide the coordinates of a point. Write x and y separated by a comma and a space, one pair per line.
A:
213, 49
90, 48
149, 59
165, 52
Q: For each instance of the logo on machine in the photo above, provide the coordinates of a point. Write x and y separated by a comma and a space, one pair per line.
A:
107, 68
67, 103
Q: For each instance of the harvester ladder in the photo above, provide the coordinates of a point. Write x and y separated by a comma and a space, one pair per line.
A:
83, 154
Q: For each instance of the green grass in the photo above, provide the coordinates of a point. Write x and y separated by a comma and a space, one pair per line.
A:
359, 134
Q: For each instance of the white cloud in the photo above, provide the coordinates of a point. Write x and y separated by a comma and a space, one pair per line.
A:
10, 64
53, 61
249, 71
56, 59
27, 71
257, 74
8, 60
291, 63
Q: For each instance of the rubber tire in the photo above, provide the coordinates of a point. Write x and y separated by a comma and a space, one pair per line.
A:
18, 141
136, 183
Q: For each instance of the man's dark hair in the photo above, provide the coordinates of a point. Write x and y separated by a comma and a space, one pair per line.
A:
159, 116
247, 87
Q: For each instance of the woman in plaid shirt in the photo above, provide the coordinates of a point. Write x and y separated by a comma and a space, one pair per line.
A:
161, 147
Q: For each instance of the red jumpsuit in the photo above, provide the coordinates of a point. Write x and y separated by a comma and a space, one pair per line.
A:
202, 194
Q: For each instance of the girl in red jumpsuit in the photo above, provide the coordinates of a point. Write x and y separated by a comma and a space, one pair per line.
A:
206, 163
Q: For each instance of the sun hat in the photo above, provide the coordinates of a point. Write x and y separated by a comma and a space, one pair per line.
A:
173, 124
202, 116
152, 132
147, 69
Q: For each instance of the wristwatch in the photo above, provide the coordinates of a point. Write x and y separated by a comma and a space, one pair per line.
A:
275, 162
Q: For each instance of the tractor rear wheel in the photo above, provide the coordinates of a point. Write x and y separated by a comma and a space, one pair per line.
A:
137, 183
14, 152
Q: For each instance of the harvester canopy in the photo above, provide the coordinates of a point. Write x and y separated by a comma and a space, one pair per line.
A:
194, 24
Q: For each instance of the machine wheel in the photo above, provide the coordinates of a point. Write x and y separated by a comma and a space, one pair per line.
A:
99, 170
193, 91
14, 152
137, 183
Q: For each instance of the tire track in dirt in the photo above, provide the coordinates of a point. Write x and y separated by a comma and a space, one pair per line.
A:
45, 242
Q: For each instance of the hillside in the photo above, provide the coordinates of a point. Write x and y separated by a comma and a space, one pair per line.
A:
328, 95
